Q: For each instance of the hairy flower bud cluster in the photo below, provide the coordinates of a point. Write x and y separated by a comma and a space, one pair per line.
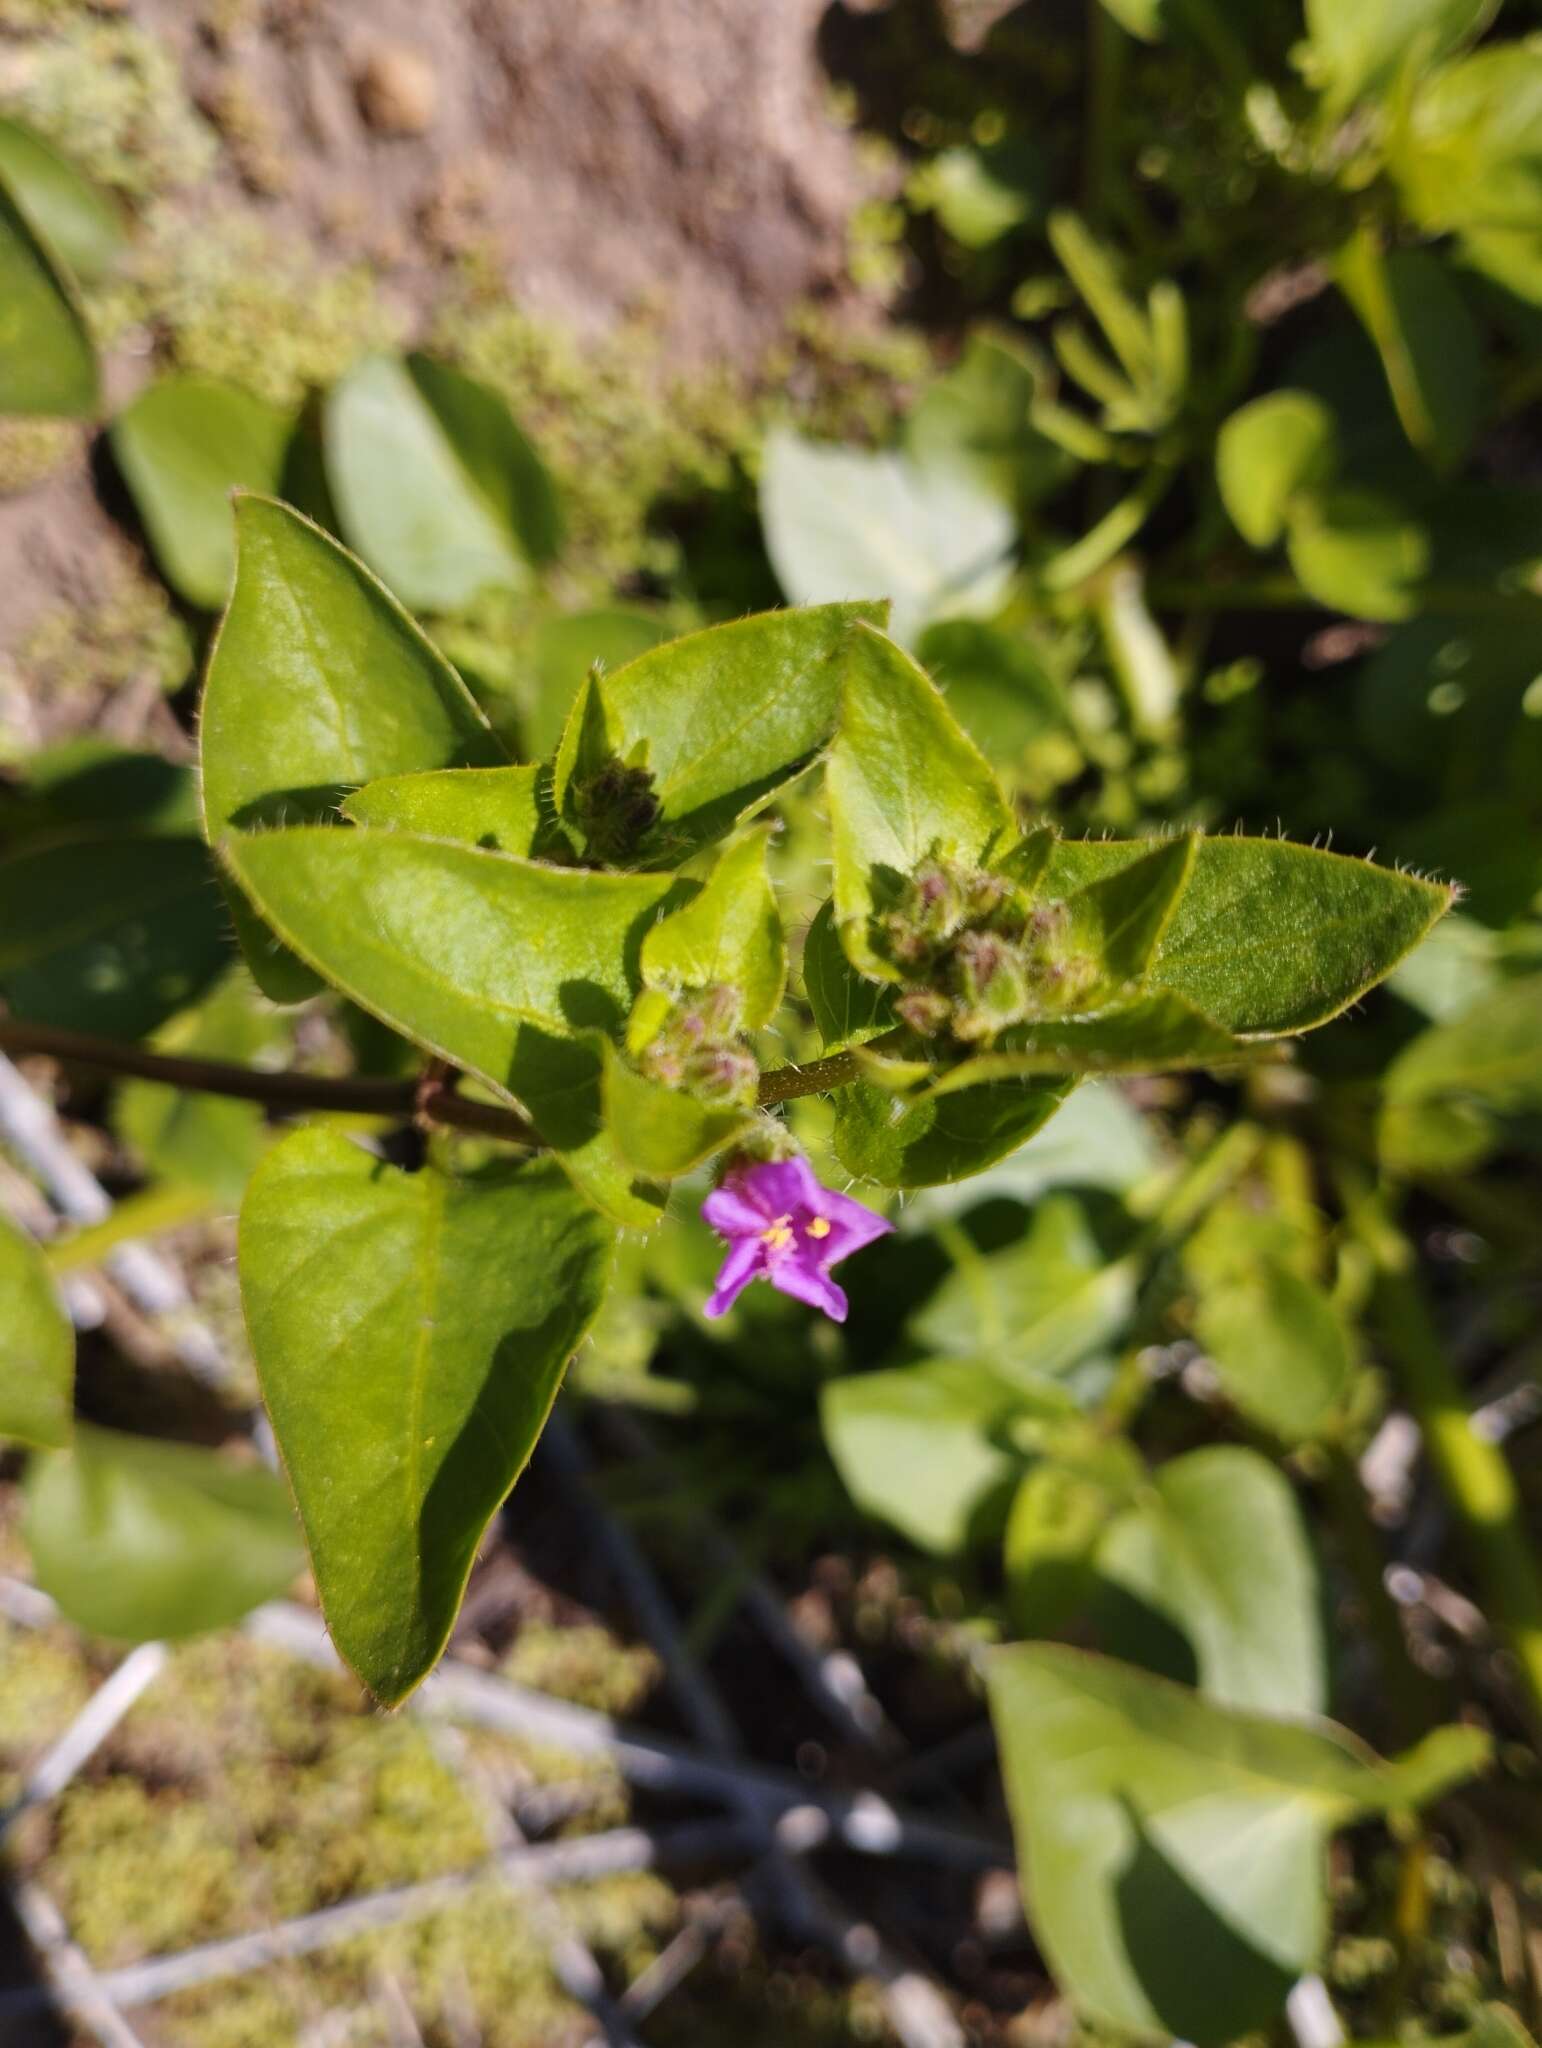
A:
978, 954
616, 809
700, 1049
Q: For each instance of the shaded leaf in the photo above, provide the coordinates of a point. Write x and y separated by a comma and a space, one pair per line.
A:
848, 1008
183, 445
1429, 343
47, 363
138, 1540
37, 1353
941, 1138
410, 1333
1278, 1345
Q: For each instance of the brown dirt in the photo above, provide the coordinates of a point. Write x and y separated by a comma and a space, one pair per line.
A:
601, 154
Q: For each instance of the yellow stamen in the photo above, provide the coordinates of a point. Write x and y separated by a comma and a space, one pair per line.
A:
817, 1226
780, 1235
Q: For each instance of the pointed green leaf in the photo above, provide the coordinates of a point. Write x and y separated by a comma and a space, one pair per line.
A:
925, 1447
663, 1131
504, 809
905, 783
1489, 1052
37, 1378
846, 522
435, 485
1271, 938
720, 719
1353, 51
1185, 1556
109, 934
1279, 1347
1267, 453
318, 681
66, 211
1120, 918
848, 1008
730, 933
410, 1332
1359, 552
941, 1138
184, 445
47, 363
1172, 1850
138, 1540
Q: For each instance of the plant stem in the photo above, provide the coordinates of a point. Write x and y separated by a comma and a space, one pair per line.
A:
1474, 1474
351, 1094
146, 1214
1105, 70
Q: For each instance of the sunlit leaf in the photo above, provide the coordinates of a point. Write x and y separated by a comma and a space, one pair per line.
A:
37, 1351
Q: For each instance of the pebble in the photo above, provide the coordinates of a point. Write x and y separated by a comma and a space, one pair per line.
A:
397, 89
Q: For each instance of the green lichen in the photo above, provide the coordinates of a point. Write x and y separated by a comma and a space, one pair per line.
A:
31, 451
127, 632
111, 97
232, 298
586, 1664
47, 1682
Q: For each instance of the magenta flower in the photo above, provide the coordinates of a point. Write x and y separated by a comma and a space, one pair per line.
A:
782, 1226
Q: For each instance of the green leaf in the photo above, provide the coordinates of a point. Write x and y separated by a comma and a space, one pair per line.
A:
65, 210
941, 1138
720, 719
410, 1332
1270, 938
853, 522
848, 1008
38, 1384
981, 192
1057, 1516
1267, 454
504, 809
1120, 918
1151, 1034
1278, 1345
730, 933
1040, 1306
435, 485
1358, 50
183, 445
1172, 1849
139, 1540
47, 363
1429, 343
562, 653
318, 681
1488, 1053
925, 1447
997, 687
109, 934
974, 418
905, 784
663, 1131
1185, 1556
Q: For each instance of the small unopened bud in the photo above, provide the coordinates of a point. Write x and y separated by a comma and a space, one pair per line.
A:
992, 981
615, 808
721, 1074
925, 1010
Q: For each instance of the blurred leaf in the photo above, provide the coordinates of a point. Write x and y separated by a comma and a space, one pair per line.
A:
1039, 1306
1355, 50
905, 784
410, 1372
980, 192
1442, 1091
109, 934
728, 934
941, 1138
137, 1539
65, 210
47, 363
1455, 964
1172, 1849
1429, 343
498, 809
564, 651
1267, 453
720, 719
1270, 938
974, 418
37, 1366
1058, 1514
87, 783
1186, 1553
996, 686
183, 445
851, 522
435, 485
1279, 1347
1097, 1140
318, 681
924, 1447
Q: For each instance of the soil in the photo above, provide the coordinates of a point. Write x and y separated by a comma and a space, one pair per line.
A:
600, 156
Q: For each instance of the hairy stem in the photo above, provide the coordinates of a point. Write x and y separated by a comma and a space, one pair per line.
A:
358, 1095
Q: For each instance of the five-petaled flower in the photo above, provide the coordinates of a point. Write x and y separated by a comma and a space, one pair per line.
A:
782, 1226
